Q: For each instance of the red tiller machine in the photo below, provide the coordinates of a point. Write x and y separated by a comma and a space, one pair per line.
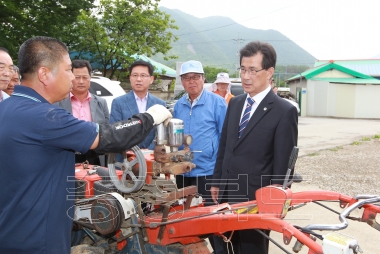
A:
134, 206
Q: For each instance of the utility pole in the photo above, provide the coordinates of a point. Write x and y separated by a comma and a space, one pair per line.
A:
238, 40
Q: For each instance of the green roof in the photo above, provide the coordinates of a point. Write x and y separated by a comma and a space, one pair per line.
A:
369, 67
349, 62
158, 67
309, 74
372, 81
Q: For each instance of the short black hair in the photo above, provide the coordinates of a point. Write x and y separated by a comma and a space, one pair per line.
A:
269, 54
142, 63
78, 63
40, 51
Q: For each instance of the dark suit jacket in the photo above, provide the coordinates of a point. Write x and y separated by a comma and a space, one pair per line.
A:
125, 106
99, 114
98, 107
262, 152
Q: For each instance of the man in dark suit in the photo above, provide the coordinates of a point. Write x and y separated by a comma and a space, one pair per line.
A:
138, 100
84, 105
259, 133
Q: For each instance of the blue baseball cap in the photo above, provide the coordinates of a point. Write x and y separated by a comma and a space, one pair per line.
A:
191, 66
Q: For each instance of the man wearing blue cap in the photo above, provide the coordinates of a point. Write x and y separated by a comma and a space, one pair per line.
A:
203, 114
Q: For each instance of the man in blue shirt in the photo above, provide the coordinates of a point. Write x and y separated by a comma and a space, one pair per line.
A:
38, 141
203, 115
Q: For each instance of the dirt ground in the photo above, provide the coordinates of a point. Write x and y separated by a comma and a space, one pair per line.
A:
350, 169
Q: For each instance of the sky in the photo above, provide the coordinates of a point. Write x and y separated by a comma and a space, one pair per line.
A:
327, 29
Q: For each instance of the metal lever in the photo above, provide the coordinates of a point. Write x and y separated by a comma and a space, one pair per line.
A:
292, 162
343, 215
297, 178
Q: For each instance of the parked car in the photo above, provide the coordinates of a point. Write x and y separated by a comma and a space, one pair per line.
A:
284, 92
171, 102
237, 89
295, 104
106, 88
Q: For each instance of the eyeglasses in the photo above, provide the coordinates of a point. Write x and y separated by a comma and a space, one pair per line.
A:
250, 71
142, 76
85, 78
194, 77
4, 68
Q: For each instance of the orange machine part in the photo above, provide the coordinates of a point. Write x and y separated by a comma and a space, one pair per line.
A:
82, 174
273, 200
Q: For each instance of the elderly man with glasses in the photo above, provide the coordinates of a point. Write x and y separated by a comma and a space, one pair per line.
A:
6, 72
138, 99
203, 114
15, 80
84, 105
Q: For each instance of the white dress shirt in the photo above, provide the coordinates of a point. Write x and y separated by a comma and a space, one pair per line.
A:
141, 103
257, 100
4, 95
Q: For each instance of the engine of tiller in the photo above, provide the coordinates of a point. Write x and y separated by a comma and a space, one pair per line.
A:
112, 203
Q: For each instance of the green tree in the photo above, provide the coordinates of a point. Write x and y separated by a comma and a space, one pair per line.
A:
211, 72
23, 19
118, 29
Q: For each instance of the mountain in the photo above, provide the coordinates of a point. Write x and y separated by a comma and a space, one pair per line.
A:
215, 42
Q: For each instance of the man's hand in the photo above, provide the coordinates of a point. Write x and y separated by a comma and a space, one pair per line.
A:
160, 114
214, 194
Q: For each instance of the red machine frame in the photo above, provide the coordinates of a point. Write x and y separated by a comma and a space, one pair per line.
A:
174, 223
222, 218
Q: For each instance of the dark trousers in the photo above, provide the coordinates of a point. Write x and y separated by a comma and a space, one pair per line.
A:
243, 241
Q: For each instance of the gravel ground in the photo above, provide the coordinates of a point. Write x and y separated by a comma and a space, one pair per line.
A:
351, 169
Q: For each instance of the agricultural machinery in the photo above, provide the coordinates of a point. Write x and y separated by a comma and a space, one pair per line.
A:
134, 206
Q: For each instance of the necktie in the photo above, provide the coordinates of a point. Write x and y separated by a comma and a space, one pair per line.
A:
245, 118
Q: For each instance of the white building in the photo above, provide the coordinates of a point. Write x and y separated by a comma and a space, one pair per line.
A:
333, 90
